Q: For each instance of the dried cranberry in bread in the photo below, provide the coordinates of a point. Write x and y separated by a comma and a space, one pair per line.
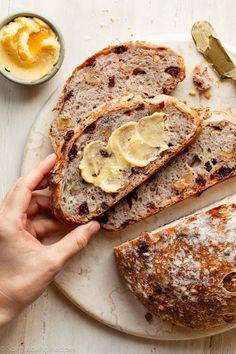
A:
210, 159
185, 272
135, 67
73, 199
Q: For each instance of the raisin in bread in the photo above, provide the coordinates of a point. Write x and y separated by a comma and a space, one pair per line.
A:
209, 160
184, 272
73, 199
135, 67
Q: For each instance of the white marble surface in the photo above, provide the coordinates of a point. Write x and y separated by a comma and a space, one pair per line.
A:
51, 324
94, 270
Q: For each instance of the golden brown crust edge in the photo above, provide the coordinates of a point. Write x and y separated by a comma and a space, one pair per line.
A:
105, 108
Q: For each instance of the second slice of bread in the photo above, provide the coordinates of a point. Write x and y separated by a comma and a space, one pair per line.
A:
76, 201
209, 160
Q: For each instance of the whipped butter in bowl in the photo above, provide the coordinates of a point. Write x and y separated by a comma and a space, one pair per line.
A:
31, 49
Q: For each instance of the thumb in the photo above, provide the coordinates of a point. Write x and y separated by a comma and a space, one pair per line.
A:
73, 242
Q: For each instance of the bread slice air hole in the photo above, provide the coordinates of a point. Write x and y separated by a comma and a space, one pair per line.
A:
229, 282
195, 162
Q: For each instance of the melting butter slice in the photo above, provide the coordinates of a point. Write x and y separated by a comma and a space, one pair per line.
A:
103, 172
110, 178
152, 131
129, 148
119, 141
132, 144
136, 143
137, 153
92, 161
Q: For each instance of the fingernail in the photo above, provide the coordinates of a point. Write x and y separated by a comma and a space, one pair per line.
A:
49, 157
94, 226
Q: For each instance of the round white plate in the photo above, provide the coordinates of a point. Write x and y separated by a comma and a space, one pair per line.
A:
91, 280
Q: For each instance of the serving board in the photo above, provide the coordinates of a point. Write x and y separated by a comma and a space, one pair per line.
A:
90, 280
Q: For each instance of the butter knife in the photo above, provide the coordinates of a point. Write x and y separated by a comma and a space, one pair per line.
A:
209, 45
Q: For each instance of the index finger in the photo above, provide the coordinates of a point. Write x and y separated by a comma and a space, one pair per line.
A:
18, 198
32, 180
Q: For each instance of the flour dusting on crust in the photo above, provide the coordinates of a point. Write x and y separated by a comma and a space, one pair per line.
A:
179, 272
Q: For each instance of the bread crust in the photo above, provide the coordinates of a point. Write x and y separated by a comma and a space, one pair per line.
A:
184, 272
112, 106
106, 51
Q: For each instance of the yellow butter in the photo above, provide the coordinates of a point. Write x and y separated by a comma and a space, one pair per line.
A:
92, 162
134, 144
103, 172
139, 153
28, 48
120, 140
152, 130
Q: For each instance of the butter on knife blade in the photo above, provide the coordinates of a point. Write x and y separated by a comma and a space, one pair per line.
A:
212, 49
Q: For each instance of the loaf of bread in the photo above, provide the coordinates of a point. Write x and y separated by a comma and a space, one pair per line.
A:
136, 67
210, 159
76, 201
185, 272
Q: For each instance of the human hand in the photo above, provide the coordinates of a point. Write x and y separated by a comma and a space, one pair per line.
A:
26, 265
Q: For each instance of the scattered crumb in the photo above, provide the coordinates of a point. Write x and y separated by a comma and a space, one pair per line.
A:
207, 95
201, 78
102, 25
106, 10
131, 35
204, 113
148, 317
218, 82
112, 19
192, 93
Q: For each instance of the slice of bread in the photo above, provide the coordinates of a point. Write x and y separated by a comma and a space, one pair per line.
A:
184, 272
76, 201
135, 67
209, 160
